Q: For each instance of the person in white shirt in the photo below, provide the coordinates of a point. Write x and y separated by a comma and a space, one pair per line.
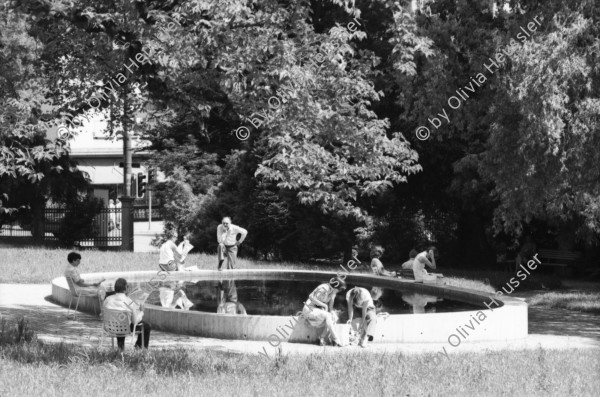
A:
118, 214
318, 309
171, 256
228, 242
362, 299
425, 258
112, 219
120, 301
376, 265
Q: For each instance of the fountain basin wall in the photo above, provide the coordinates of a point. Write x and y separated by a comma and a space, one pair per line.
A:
507, 321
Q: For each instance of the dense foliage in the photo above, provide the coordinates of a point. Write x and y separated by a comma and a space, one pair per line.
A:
326, 97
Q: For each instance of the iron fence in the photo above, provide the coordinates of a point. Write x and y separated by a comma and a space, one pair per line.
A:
140, 213
105, 230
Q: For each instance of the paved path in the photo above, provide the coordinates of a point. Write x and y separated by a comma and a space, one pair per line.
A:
550, 329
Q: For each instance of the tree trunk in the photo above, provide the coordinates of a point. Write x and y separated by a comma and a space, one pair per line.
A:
37, 222
476, 251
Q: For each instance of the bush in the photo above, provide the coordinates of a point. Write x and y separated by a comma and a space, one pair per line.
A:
17, 334
79, 222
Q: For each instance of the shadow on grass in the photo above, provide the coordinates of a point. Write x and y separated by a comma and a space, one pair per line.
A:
19, 343
563, 322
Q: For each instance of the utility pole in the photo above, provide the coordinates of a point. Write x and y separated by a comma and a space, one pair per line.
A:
127, 228
127, 157
149, 207
126, 201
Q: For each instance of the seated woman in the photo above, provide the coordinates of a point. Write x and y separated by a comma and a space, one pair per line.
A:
171, 257
318, 309
376, 265
82, 287
120, 301
425, 258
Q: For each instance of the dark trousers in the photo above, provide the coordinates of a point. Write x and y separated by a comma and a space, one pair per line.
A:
138, 343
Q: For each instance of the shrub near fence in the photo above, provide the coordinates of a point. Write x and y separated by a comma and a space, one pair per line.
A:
87, 227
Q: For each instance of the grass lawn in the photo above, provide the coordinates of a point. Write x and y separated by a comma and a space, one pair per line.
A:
41, 265
37, 369
579, 301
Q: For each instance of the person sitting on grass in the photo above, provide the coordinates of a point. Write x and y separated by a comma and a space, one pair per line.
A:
83, 288
362, 299
408, 265
171, 257
120, 301
425, 258
318, 309
376, 265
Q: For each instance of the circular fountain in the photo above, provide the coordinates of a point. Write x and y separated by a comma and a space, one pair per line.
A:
263, 305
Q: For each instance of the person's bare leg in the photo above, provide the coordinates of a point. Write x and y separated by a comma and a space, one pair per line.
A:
101, 297
330, 328
368, 328
323, 335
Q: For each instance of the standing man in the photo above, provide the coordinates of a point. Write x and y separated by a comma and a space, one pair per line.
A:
228, 242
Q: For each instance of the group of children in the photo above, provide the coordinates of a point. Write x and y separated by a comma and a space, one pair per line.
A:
318, 311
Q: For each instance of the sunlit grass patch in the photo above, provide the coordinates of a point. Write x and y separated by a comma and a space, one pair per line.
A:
581, 301
37, 369
469, 284
40, 265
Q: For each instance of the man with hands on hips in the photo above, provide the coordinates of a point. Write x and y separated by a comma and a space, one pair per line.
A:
228, 242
